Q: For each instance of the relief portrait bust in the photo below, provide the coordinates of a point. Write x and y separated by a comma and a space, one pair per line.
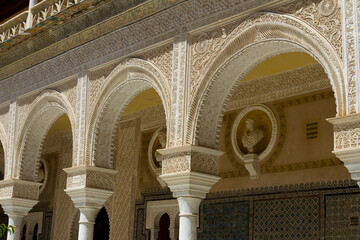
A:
252, 136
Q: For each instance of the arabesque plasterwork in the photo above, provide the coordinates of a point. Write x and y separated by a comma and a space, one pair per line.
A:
128, 79
216, 93
43, 112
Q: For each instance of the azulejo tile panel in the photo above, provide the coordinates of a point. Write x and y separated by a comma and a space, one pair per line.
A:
287, 218
340, 209
324, 210
224, 221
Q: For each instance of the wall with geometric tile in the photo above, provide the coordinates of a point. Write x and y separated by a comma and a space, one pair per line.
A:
287, 218
224, 220
327, 211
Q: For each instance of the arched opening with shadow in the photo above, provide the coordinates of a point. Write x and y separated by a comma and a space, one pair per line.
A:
2, 162
134, 101
164, 224
44, 148
102, 225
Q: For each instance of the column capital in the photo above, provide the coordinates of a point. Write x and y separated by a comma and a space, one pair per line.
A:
90, 177
190, 171
89, 186
19, 189
190, 158
347, 142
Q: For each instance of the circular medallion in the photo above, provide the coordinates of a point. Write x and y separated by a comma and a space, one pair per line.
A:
42, 174
202, 45
327, 7
254, 132
158, 141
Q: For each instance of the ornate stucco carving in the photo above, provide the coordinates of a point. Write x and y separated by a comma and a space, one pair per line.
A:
125, 36
204, 47
44, 111
301, 80
161, 57
63, 206
128, 147
350, 15
68, 90
323, 15
127, 80
271, 26
153, 117
179, 89
346, 134
19, 189
189, 159
97, 78
90, 177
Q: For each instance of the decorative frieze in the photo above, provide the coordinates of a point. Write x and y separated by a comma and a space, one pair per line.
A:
90, 177
15, 188
189, 159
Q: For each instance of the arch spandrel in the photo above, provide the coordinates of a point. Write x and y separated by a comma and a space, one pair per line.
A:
128, 79
261, 36
45, 110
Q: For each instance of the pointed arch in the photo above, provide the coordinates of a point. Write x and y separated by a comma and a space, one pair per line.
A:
261, 36
127, 80
45, 110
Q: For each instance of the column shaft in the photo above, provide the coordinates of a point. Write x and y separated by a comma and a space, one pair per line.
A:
86, 223
16, 221
189, 212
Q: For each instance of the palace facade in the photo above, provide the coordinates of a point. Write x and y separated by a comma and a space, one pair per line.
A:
180, 119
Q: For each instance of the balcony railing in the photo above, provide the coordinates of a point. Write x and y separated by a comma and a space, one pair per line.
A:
37, 14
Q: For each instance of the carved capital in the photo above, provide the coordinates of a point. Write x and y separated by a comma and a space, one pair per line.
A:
190, 184
347, 143
90, 177
20, 189
17, 197
190, 158
89, 186
346, 132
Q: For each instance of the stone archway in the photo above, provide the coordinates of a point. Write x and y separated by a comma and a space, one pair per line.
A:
113, 144
126, 81
46, 109
260, 37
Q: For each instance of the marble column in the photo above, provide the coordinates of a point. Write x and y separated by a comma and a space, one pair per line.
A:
190, 172
17, 197
87, 222
89, 188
